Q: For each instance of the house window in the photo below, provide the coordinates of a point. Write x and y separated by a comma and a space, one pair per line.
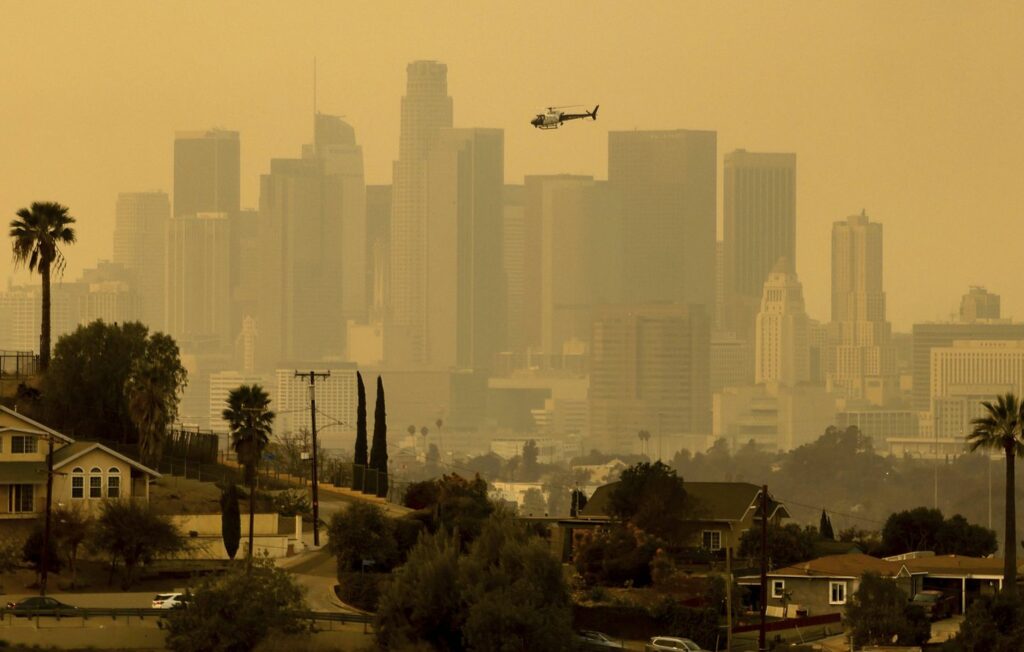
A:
95, 483
114, 482
778, 588
23, 444
21, 498
837, 592
712, 539
77, 482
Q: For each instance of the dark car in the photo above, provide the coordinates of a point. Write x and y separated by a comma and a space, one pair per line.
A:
936, 604
39, 606
588, 639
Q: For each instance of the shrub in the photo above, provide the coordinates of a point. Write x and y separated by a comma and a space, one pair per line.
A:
361, 590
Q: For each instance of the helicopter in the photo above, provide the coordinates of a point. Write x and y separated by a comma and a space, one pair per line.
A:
554, 117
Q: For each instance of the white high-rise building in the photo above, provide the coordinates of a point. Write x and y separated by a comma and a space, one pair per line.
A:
336, 400
967, 373
781, 334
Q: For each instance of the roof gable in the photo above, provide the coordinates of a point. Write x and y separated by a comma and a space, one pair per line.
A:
35, 426
72, 452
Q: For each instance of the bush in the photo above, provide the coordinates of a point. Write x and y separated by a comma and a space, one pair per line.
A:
362, 532
293, 502
616, 555
361, 590
420, 495
32, 552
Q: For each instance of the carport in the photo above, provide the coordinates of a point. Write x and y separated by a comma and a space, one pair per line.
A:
966, 577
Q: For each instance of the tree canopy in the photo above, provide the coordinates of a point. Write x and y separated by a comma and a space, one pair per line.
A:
507, 593
652, 497
923, 528
99, 368
879, 614
787, 545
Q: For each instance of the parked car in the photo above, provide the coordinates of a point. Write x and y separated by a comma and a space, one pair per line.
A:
170, 600
39, 606
672, 644
936, 604
588, 639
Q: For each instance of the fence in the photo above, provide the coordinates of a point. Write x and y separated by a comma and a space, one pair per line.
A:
18, 364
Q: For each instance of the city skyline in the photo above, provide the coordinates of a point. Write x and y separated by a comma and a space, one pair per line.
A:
903, 113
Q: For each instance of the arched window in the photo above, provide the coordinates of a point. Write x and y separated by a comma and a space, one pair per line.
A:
77, 482
95, 482
114, 482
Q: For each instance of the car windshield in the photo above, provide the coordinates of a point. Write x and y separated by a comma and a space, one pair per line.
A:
925, 597
163, 596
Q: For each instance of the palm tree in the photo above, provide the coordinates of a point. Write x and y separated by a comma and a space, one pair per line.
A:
251, 424
37, 235
150, 408
1000, 429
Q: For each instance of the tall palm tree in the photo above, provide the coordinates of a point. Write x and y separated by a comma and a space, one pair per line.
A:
37, 236
251, 424
1000, 429
151, 409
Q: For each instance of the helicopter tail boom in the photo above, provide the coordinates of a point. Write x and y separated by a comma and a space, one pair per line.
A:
593, 114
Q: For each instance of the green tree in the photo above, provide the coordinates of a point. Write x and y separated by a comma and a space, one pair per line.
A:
251, 422
533, 502
958, 537
379, 450
32, 552
132, 533
787, 545
1000, 429
360, 452
100, 368
507, 593
230, 520
71, 528
616, 555
37, 235
911, 530
530, 455
237, 611
879, 614
652, 497
10, 556
825, 527
362, 531
462, 506
991, 624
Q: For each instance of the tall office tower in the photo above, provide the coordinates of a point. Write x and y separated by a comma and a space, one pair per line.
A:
464, 280
781, 333
140, 240
666, 182
378, 237
206, 172
930, 336
426, 109
978, 304
862, 362
649, 371
245, 265
513, 255
574, 258
198, 304
718, 318
759, 228
106, 292
312, 226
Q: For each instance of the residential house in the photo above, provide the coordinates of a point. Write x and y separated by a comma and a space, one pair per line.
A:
85, 473
825, 585
722, 511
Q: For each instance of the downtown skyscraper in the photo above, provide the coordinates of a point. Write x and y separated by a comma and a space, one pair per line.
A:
666, 181
426, 109
206, 172
312, 235
862, 360
140, 241
759, 228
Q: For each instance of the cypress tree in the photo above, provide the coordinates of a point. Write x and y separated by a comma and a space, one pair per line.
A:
379, 451
825, 527
360, 457
230, 520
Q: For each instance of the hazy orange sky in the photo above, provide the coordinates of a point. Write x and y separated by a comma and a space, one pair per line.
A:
911, 110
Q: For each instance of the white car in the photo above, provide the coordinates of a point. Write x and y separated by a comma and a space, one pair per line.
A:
169, 600
672, 644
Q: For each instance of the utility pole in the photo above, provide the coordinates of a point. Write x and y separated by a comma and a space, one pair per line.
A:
764, 566
49, 508
313, 375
